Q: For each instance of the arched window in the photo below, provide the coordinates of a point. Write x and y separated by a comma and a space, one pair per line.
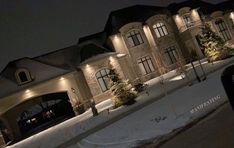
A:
188, 20
134, 38
223, 30
23, 76
160, 29
103, 79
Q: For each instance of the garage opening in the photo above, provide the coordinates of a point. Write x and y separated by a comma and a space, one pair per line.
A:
44, 112
4, 134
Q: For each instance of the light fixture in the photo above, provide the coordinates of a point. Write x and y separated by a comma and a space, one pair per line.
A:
120, 55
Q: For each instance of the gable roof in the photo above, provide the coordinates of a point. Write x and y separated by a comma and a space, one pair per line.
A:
137, 13
40, 71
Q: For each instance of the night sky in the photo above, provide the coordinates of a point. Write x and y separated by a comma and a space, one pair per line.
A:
29, 28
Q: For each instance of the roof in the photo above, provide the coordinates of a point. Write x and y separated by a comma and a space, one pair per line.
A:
47, 66
137, 13
40, 71
72, 56
97, 38
91, 50
62, 58
225, 6
203, 6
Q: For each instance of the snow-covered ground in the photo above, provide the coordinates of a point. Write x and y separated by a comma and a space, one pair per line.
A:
159, 118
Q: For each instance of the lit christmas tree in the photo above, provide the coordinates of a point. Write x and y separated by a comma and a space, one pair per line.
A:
214, 46
124, 93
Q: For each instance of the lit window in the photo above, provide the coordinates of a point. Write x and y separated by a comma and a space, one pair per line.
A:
160, 29
146, 65
103, 79
23, 76
171, 55
134, 38
188, 21
222, 29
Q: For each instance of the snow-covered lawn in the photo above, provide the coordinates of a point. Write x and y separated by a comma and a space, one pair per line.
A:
161, 117
157, 119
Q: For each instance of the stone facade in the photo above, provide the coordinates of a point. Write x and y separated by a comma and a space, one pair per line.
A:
97, 64
141, 50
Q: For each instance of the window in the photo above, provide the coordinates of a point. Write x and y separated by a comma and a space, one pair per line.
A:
188, 21
160, 29
171, 55
222, 29
103, 79
146, 65
134, 38
23, 76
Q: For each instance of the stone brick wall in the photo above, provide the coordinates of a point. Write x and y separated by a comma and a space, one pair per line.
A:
91, 68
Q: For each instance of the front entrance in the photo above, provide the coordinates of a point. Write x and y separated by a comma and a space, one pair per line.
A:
44, 112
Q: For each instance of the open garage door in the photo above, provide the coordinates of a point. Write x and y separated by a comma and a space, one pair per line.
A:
43, 112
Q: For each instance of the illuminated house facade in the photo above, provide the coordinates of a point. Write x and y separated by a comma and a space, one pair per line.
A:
140, 42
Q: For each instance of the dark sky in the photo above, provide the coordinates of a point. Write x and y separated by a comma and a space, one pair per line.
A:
29, 28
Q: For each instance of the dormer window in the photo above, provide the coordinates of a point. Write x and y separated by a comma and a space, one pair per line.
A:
23, 76
134, 38
188, 20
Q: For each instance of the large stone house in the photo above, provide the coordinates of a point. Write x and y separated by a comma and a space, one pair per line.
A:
140, 42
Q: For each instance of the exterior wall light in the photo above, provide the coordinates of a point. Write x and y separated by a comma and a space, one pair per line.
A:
232, 16
120, 55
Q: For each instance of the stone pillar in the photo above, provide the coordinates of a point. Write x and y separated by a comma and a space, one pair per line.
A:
83, 91
2, 142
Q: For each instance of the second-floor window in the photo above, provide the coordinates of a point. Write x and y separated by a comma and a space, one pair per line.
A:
134, 38
160, 29
188, 20
146, 65
103, 79
223, 30
171, 55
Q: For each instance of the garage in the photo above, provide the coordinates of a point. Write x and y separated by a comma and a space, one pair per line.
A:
39, 113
